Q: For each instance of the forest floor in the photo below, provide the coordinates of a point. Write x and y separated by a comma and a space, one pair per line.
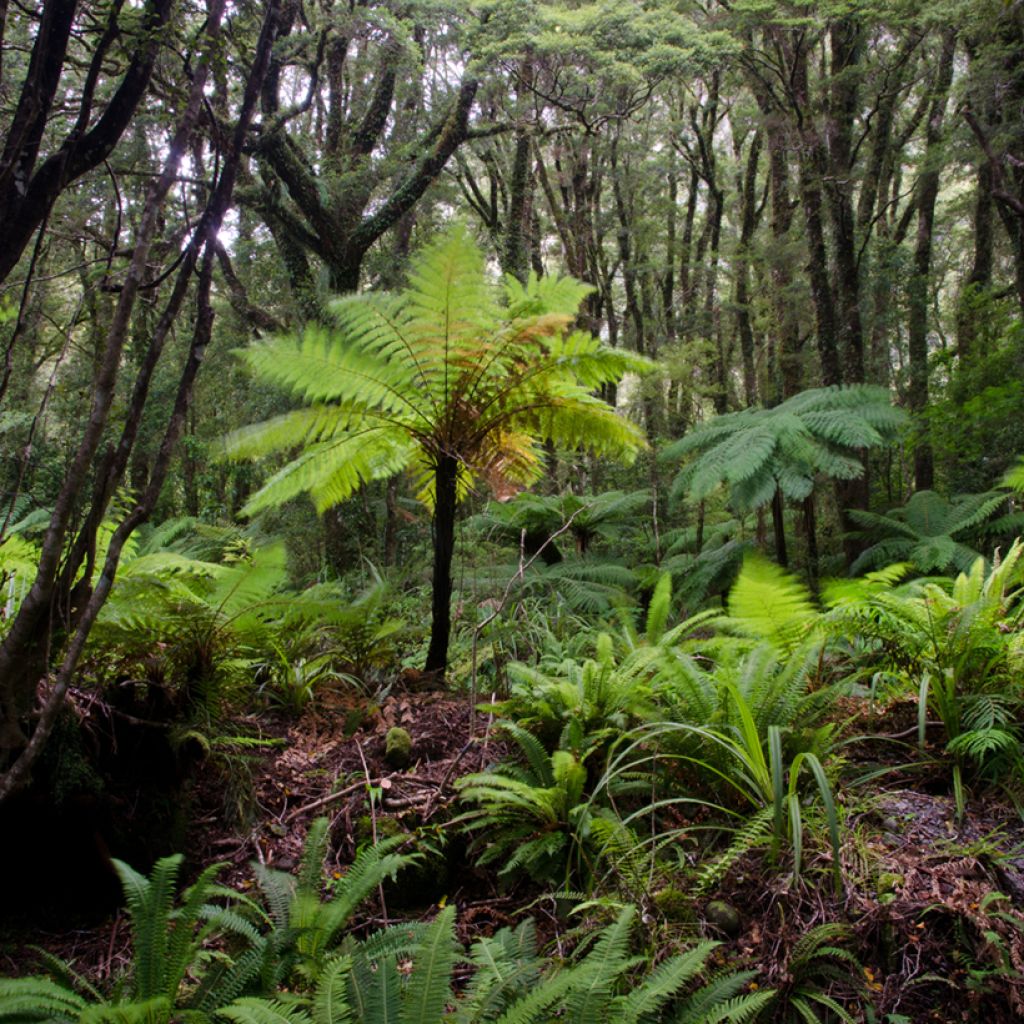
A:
936, 905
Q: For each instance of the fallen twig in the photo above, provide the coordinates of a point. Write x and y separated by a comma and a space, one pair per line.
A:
329, 799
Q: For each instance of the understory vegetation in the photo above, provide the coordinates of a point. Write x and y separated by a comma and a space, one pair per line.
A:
511, 512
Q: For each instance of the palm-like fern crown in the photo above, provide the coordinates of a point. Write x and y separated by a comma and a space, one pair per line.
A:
589, 515
933, 532
443, 369
756, 451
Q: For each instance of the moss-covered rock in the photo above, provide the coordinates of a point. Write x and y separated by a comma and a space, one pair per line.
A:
398, 748
725, 917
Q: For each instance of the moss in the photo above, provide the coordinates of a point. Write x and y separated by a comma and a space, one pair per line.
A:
66, 763
398, 748
675, 905
386, 828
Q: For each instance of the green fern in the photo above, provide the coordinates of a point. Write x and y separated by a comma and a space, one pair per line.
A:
757, 452
816, 964
38, 999
769, 604
932, 532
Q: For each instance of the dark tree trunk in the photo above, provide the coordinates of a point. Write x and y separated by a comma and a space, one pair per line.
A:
779, 527
980, 277
445, 475
846, 47
747, 188
790, 371
818, 271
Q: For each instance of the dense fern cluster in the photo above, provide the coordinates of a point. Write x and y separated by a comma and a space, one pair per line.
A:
289, 960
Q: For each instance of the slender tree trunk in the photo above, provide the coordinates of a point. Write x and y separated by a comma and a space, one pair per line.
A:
786, 316
747, 189
445, 475
391, 522
928, 191
779, 527
980, 277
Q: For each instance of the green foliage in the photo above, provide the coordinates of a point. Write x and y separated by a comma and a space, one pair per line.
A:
956, 645
770, 605
978, 401
167, 949
932, 532
817, 963
404, 976
289, 939
577, 705
304, 928
533, 818
756, 452
441, 370
776, 690
1014, 477
586, 517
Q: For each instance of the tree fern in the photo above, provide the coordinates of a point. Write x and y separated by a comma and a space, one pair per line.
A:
445, 380
758, 451
930, 531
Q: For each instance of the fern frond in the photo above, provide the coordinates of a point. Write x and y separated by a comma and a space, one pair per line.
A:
253, 1010
664, 983
768, 603
429, 990
38, 999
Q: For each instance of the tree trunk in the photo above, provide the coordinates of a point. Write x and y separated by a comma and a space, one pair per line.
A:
779, 526
445, 475
928, 191
391, 522
846, 49
747, 190
980, 278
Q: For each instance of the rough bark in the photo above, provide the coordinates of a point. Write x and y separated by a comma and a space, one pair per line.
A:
30, 632
28, 188
445, 476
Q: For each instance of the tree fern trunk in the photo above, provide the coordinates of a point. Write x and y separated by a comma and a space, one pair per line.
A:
779, 525
444, 548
